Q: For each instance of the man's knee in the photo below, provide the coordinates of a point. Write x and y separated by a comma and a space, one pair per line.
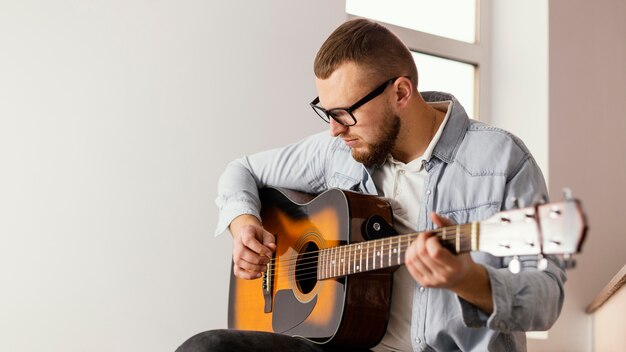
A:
212, 340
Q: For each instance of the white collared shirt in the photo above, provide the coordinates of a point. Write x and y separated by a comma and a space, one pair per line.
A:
403, 185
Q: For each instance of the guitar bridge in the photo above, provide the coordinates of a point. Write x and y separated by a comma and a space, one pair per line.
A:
268, 286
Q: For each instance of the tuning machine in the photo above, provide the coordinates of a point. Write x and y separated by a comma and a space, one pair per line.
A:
542, 262
568, 261
567, 193
516, 203
515, 266
540, 199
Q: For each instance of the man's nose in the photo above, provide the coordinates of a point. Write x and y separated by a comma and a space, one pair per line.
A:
336, 128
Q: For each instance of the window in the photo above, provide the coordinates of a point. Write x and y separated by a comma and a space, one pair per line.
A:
427, 16
446, 75
451, 48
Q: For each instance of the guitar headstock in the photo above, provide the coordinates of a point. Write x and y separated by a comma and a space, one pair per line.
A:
553, 228
563, 226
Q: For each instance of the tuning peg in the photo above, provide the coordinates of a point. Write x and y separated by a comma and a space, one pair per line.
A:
515, 203
567, 193
542, 262
540, 199
515, 265
568, 261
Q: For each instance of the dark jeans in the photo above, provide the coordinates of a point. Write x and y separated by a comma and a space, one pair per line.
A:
253, 341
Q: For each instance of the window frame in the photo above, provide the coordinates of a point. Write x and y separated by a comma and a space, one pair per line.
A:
477, 54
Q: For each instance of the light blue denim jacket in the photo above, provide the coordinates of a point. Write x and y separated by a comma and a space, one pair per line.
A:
475, 171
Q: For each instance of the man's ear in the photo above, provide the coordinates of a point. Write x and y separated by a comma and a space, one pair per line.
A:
404, 91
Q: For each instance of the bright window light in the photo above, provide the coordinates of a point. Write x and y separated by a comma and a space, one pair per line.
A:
454, 19
448, 76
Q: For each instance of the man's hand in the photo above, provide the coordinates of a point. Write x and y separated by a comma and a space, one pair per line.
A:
432, 265
252, 247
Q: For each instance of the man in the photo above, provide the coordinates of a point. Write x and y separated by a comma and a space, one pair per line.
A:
423, 153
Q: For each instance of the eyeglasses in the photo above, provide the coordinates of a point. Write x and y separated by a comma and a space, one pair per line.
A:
344, 115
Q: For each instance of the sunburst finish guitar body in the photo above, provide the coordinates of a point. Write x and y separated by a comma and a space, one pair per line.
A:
342, 309
331, 276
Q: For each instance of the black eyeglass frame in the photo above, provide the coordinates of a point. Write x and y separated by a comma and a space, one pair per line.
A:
326, 115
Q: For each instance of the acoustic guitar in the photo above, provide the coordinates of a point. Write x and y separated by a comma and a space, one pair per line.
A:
330, 278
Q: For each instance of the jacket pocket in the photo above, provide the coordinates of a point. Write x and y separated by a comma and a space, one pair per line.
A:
339, 180
477, 212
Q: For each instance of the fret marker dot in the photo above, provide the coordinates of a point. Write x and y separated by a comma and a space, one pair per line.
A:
342, 260
378, 254
395, 250
357, 268
333, 262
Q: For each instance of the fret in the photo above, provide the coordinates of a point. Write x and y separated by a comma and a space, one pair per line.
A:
343, 261
408, 242
322, 268
338, 261
389, 255
325, 262
329, 259
328, 267
333, 268
380, 252
374, 255
399, 249
360, 265
349, 259
367, 257
320, 256
331, 255
346, 259
353, 257
458, 238
474, 231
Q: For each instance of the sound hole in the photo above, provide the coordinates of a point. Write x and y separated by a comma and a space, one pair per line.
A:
306, 267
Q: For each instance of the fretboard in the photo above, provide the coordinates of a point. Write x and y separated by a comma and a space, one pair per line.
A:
387, 252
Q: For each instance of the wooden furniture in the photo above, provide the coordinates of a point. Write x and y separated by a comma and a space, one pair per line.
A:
609, 315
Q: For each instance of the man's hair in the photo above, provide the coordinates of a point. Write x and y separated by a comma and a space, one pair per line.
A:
369, 45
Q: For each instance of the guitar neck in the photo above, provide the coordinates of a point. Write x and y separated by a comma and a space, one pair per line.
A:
389, 251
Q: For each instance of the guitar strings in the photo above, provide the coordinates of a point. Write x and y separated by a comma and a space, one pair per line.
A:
463, 237
307, 263
308, 267
388, 241
383, 246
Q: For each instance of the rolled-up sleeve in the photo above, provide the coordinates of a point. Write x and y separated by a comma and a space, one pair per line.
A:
532, 299
528, 301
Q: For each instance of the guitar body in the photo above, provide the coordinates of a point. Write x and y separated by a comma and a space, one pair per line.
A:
349, 310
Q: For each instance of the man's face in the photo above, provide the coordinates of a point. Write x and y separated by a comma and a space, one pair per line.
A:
374, 135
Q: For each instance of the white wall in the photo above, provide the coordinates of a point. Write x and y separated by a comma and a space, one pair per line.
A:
561, 87
587, 127
116, 119
519, 73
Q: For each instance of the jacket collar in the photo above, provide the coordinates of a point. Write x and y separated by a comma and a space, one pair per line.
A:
454, 131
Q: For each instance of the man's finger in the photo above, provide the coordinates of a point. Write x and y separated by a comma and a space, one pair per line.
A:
253, 243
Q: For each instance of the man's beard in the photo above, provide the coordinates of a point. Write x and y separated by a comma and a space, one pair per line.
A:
376, 153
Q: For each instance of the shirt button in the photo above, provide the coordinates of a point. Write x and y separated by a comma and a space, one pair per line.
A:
428, 192
401, 172
418, 340
422, 289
